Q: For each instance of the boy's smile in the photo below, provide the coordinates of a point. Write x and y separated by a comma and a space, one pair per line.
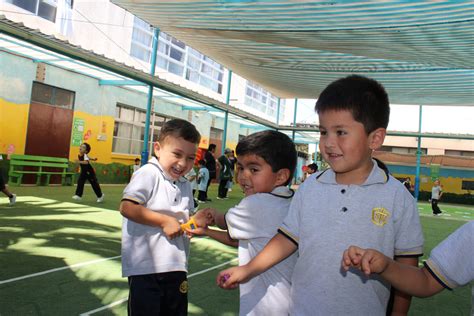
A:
176, 156
255, 175
346, 146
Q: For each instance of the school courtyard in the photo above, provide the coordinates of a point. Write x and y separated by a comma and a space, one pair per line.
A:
59, 257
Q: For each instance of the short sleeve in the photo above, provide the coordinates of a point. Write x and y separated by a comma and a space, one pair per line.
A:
244, 221
291, 224
408, 232
140, 188
452, 261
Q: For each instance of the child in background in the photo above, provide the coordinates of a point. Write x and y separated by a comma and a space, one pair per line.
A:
192, 178
450, 265
3, 188
266, 163
87, 173
136, 166
203, 180
154, 205
354, 201
436, 193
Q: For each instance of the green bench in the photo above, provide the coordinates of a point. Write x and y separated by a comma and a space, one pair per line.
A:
41, 166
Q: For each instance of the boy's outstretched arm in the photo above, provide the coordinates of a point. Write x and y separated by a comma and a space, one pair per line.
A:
277, 249
140, 214
406, 278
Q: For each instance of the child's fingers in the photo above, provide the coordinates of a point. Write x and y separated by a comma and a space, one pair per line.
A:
346, 260
355, 253
365, 263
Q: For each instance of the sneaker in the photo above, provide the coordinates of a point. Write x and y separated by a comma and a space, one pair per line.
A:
199, 201
77, 198
12, 199
101, 199
219, 198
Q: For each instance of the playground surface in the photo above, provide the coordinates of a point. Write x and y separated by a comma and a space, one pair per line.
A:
60, 257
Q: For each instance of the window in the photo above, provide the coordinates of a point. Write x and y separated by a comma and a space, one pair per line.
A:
459, 153
49, 95
43, 8
215, 133
260, 99
467, 185
142, 40
402, 150
175, 57
129, 129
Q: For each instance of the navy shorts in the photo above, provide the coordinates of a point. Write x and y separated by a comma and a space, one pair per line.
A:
158, 294
2, 182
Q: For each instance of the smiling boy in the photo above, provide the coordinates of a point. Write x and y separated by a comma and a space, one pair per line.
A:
154, 204
354, 201
266, 163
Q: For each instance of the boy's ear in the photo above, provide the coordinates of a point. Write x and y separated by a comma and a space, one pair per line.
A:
156, 148
282, 176
376, 138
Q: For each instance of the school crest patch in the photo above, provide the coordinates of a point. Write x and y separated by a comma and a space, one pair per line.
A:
183, 288
380, 216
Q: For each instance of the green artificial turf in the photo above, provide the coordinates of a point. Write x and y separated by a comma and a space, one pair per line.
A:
61, 257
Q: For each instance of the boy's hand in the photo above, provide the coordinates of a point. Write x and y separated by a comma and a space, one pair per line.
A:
172, 228
367, 260
199, 231
230, 279
205, 217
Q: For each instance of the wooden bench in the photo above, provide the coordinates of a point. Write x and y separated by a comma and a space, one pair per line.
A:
39, 166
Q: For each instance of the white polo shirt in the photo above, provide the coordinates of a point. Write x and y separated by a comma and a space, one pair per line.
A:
254, 221
146, 249
325, 218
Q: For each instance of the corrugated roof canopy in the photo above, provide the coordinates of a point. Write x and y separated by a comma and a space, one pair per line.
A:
423, 52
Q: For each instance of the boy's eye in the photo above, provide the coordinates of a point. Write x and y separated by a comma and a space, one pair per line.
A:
253, 170
323, 133
339, 133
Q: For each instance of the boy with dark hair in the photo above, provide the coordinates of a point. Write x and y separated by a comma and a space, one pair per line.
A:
447, 267
266, 163
210, 165
154, 204
87, 173
356, 200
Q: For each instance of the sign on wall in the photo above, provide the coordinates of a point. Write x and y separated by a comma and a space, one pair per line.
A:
77, 131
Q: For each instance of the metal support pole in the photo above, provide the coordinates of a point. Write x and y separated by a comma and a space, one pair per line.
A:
294, 120
278, 113
226, 118
418, 157
145, 151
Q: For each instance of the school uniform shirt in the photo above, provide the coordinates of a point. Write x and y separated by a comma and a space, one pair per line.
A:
204, 179
325, 218
435, 192
192, 173
452, 261
254, 221
146, 249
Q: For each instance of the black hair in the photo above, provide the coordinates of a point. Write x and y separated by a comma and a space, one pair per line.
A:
201, 162
274, 147
313, 166
137, 159
365, 98
180, 128
88, 147
211, 147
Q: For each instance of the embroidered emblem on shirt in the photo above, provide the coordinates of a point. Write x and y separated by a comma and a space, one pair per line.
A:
380, 216
183, 288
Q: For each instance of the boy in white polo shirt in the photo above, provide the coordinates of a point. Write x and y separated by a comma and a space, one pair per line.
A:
266, 163
355, 201
154, 204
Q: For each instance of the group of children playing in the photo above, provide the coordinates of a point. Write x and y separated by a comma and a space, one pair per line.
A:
295, 249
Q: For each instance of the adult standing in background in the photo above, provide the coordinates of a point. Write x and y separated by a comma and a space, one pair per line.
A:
210, 165
225, 174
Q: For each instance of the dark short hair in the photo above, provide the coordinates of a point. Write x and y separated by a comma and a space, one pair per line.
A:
180, 128
313, 166
137, 159
201, 162
211, 147
88, 147
274, 147
365, 98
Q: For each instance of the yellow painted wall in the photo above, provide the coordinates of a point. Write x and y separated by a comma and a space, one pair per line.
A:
13, 127
94, 127
449, 184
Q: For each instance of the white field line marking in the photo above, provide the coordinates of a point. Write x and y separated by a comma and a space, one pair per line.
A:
78, 265
125, 299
